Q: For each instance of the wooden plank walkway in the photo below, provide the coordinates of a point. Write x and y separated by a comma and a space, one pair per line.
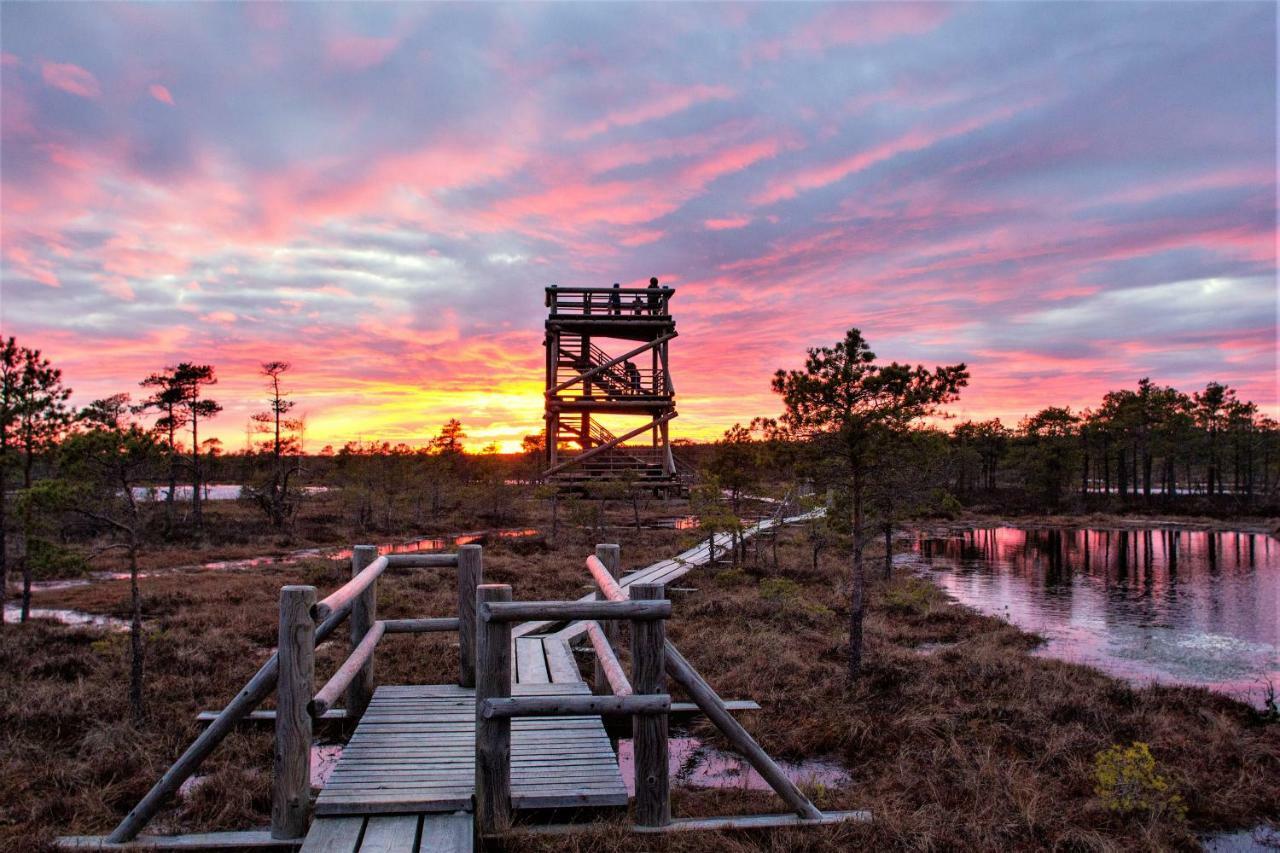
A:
663, 572
414, 751
410, 833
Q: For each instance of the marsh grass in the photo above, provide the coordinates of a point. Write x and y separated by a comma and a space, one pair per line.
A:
979, 745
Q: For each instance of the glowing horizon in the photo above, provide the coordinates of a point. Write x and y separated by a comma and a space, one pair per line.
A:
1066, 197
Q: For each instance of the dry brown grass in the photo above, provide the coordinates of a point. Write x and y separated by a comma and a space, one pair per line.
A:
974, 746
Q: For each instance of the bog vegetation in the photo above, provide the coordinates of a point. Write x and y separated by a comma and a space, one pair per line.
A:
124, 482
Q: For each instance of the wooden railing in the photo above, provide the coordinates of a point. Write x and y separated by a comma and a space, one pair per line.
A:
304, 623
648, 704
621, 303
603, 566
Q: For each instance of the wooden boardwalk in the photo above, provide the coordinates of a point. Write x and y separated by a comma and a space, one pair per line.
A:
413, 752
429, 766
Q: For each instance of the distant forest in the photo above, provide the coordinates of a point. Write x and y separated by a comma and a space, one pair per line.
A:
69, 475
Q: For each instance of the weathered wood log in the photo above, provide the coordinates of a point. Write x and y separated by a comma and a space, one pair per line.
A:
250, 696
713, 706
470, 576
575, 706
573, 611
420, 626
649, 732
342, 599
422, 561
605, 578
359, 658
291, 771
608, 557
493, 736
609, 671
364, 612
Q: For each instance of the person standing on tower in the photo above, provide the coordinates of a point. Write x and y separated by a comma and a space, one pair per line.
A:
615, 299
653, 296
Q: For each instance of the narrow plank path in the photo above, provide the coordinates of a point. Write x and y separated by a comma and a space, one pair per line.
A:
414, 752
405, 780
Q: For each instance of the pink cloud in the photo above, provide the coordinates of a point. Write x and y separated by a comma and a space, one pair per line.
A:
661, 106
160, 93
727, 224
642, 238
70, 78
356, 53
917, 139
854, 24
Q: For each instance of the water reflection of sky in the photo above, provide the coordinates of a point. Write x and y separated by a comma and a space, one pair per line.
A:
1174, 606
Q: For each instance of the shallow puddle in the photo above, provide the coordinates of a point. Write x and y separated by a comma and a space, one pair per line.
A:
12, 613
694, 764
1262, 839
411, 546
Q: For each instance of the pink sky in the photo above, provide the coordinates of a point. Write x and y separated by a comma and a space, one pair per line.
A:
1067, 197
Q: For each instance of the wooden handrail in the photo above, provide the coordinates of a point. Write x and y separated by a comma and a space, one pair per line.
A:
421, 561
608, 660
419, 626
573, 611
333, 688
605, 580
250, 696
340, 600
574, 706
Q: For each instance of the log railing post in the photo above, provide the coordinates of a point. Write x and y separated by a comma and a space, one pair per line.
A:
291, 776
611, 556
493, 736
470, 576
649, 731
364, 612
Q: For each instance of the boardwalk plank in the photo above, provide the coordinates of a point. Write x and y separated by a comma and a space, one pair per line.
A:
391, 834
333, 835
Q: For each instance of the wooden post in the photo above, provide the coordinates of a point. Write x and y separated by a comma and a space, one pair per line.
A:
649, 731
470, 576
493, 736
364, 612
291, 779
611, 556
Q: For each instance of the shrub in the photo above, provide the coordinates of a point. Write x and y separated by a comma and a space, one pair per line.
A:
779, 589
910, 596
1127, 781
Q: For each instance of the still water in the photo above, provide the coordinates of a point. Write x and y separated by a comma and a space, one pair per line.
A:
1156, 604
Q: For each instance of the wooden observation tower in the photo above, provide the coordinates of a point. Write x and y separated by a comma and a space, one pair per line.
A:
631, 378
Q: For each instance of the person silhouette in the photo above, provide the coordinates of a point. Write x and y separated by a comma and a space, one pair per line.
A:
653, 295
615, 299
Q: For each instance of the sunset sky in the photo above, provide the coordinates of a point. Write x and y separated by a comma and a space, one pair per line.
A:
1067, 196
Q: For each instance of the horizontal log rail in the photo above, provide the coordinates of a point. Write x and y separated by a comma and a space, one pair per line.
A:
328, 695
340, 600
422, 561
420, 626
574, 706
608, 660
572, 611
